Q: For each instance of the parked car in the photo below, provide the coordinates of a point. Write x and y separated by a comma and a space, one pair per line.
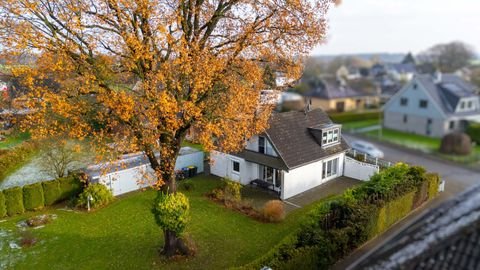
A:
367, 148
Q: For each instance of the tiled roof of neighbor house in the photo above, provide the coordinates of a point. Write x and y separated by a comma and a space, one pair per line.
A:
447, 237
448, 91
331, 89
290, 135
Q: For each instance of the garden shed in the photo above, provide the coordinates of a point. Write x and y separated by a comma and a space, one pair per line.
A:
127, 174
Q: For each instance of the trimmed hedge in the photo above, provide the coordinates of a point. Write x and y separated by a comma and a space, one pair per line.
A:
69, 186
473, 130
51, 192
12, 159
353, 116
335, 228
14, 201
33, 199
35, 196
3, 207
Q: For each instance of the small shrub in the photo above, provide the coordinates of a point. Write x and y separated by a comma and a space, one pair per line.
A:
15, 158
33, 197
27, 239
171, 211
14, 201
187, 185
51, 192
274, 211
3, 207
99, 193
217, 194
473, 131
232, 191
456, 144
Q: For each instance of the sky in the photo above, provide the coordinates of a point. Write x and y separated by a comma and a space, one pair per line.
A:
400, 26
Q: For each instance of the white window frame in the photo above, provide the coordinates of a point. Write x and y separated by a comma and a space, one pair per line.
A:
333, 169
331, 136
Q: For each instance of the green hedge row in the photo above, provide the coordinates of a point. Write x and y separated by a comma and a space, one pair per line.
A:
34, 197
353, 116
335, 228
473, 130
11, 159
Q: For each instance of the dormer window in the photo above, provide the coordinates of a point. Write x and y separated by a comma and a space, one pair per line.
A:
265, 147
326, 135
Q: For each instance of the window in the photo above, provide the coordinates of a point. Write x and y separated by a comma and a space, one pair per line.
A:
415, 86
470, 104
330, 168
330, 136
236, 166
261, 145
423, 103
404, 101
405, 118
451, 125
462, 105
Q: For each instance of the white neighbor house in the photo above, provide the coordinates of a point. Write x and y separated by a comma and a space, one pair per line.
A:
299, 151
433, 105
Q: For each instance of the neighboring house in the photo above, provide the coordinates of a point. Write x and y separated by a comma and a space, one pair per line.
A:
131, 171
401, 71
433, 106
348, 73
447, 237
337, 95
299, 151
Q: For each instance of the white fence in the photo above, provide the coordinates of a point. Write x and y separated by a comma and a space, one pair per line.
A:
359, 170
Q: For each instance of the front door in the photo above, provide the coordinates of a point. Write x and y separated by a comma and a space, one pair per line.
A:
340, 106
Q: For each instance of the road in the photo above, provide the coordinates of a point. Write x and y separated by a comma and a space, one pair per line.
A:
457, 180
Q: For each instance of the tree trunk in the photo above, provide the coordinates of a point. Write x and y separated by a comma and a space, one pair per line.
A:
166, 172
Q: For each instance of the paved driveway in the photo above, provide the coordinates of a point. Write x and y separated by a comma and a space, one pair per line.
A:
333, 187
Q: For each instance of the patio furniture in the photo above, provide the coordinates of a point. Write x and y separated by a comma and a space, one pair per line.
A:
261, 183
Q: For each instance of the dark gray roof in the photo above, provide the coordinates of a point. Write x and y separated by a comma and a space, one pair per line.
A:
447, 237
448, 91
331, 89
290, 135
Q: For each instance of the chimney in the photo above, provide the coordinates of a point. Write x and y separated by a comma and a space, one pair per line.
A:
308, 102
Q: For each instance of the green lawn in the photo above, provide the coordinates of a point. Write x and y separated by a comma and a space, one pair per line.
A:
14, 140
360, 124
124, 236
423, 143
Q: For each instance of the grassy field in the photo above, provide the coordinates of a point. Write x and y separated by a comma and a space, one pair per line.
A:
124, 236
360, 124
14, 140
423, 143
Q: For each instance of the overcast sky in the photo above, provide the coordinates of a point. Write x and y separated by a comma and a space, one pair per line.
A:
399, 26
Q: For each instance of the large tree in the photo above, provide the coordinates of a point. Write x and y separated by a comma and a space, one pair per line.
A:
449, 57
140, 73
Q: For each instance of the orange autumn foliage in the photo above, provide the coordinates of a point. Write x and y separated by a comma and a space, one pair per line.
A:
140, 73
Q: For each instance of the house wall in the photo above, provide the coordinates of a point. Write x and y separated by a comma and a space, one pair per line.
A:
415, 124
359, 170
416, 117
307, 177
195, 159
128, 180
222, 166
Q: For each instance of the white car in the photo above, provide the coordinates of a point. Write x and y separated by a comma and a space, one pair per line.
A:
367, 148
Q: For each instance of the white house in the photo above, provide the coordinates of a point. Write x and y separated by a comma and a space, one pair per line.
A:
433, 105
128, 173
299, 151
